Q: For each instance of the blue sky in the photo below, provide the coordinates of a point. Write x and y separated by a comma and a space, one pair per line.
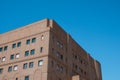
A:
94, 24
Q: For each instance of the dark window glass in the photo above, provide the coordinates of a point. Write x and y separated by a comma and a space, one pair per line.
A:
14, 45
28, 41
18, 44
26, 53
12, 57
61, 56
33, 40
1, 49
41, 49
10, 69
26, 78
1, 70
31, 64
5, 48
32, 52
25, 66
16, 78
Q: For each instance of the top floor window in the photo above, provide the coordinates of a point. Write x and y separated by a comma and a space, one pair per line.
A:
33, 40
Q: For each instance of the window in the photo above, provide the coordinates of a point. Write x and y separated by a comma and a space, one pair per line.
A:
59, 68
59, 44
40, 62
25, 66
26, 78
42, 37
52, 63
53, 50
31, 64
32, 52
15, 67
60, 56
33, 40
26, 53
1, 70
1, 49
3, 59
5, 48
10, 69
18, 44
75, 56
14, 45
17, 55
28, 41
16, 79
41, 49
12, 57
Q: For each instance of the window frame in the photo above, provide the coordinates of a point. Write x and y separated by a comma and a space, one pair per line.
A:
31, 64
33, 40
40, 62
12, 57
5, 48
32, 52
10, 69
14, 45
18, 44
28, 41
27, 53
25, 65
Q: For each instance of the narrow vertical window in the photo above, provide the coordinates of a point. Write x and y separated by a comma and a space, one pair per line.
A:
12, 57
1, 70
25, 66
5, 48
33, 40
28, 41
41, 49
18, 44
42, 37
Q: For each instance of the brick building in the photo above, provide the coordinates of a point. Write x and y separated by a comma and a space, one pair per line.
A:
44, 51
